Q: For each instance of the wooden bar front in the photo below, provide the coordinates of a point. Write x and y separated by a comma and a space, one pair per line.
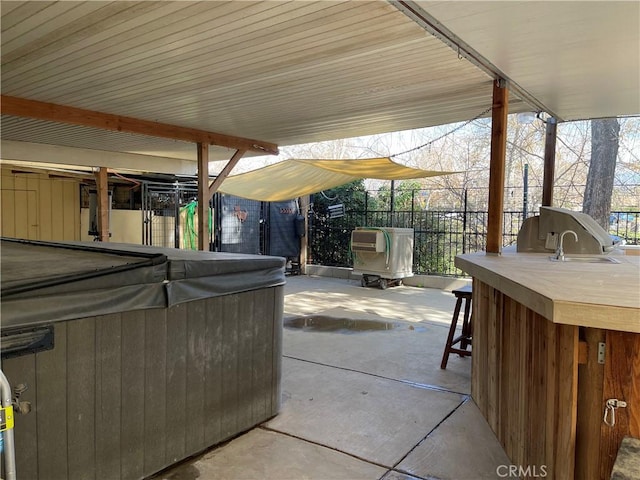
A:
525, 381
539, 382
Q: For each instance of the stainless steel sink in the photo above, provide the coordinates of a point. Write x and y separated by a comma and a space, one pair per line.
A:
593, 259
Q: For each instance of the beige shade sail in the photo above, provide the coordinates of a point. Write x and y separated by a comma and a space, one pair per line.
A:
295, 178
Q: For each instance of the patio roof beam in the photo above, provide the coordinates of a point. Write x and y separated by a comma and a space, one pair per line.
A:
22, 107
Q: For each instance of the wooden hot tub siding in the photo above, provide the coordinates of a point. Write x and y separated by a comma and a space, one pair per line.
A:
126, 395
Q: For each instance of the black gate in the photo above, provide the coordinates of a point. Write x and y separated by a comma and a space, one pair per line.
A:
240, 225
168, 218
236, 225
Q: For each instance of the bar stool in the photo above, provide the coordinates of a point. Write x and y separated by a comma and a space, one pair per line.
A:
464, 293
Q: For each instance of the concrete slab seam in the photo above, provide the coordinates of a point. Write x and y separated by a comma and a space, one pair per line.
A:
427, 435
422, 386
273, 430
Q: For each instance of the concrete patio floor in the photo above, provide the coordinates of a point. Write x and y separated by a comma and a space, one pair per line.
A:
363, 395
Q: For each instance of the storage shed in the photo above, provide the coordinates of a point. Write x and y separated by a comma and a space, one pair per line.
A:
136, 357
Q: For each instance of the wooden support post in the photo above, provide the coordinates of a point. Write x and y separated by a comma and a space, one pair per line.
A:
590, 407
203, 196
102, 184
206, 191
549, 161
497, 165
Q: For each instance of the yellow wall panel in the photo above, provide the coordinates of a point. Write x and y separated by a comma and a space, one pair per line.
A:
33, 207
21, 219
7, 209
71, 212
57, 217
37, 207
45, 210
125, 226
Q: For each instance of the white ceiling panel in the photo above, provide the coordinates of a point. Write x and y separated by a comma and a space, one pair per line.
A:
579, 58
290, 72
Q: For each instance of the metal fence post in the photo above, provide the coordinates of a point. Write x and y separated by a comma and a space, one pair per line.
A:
366, 208
464, 223
392, 201
143, 202
413, 206
176, 221
525, 192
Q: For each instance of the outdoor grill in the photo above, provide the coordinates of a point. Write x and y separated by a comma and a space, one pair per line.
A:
541, 233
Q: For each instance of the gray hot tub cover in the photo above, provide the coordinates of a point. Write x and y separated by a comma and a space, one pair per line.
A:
44, 282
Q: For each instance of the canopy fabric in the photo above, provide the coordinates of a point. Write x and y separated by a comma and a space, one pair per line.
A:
295, 178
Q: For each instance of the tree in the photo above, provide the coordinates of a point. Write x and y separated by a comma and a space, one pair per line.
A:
329, 237
352, 195
403, 194
604, 153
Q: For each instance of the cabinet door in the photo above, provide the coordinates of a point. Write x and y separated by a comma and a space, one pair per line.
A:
621, 381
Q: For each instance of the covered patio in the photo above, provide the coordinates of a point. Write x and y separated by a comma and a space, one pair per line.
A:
172, 87
121, 86
363, 394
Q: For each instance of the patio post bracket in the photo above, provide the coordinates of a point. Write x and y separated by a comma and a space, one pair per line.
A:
233, 161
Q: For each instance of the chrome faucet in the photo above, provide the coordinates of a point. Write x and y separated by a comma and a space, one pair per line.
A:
560, 251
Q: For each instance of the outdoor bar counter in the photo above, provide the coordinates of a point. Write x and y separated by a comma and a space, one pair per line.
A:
537, 375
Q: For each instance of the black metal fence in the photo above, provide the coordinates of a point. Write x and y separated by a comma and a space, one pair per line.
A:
438, 235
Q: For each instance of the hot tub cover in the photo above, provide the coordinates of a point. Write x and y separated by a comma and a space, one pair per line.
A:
44, 282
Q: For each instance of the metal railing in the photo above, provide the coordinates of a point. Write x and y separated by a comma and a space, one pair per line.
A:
438, 235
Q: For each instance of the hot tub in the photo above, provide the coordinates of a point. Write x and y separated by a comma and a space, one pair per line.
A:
136, 357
